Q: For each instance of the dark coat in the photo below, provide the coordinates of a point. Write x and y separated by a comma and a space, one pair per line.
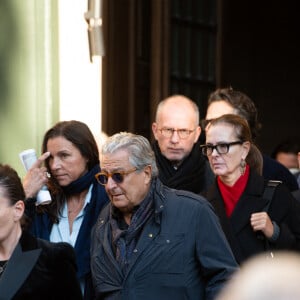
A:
274, 170
39, 270
296, 194
42, 226
284, 210
182, 253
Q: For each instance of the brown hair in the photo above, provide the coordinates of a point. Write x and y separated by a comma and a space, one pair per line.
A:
242, 104
243, 133
79, 134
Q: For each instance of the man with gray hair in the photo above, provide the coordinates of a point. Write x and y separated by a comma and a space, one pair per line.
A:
150, 241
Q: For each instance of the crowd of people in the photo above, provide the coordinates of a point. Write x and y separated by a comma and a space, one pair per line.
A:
177, 218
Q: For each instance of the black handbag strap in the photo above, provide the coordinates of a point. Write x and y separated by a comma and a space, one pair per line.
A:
268, 195
269, 192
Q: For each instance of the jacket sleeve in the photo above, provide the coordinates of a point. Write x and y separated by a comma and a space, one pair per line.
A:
285, 211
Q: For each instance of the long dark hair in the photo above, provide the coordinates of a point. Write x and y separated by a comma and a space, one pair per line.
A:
79, 134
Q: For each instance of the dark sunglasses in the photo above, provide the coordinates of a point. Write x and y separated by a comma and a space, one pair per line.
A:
117, 177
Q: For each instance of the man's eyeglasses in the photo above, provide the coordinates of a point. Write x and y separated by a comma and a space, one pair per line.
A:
117, 177
182, 133
222, 148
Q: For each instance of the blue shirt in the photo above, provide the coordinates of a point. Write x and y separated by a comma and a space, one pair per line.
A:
61, 232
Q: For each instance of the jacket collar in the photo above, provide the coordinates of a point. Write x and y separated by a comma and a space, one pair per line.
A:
250, 200
19, 266
151, 230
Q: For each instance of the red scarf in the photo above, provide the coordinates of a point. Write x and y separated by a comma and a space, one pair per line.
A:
232, 194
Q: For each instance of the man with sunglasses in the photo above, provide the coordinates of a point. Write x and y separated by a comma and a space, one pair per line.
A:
153, 242
176, 131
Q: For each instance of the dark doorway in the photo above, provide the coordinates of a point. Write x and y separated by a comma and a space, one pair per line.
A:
249, 45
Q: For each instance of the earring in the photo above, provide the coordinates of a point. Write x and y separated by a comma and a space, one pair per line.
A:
242, 166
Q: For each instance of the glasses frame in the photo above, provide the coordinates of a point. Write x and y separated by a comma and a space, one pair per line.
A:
205, 148
120, 173
179, 132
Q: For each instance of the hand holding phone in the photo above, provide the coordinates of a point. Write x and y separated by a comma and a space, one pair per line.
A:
28, 158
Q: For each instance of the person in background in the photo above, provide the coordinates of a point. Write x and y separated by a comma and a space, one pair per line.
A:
238, 193
71, 157
266, 279
296, 193
230, 101
30, 268
150, 241
176, 130
287, 152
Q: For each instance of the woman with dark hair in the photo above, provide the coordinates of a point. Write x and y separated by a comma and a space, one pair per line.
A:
30, 268
71, 160
252, 223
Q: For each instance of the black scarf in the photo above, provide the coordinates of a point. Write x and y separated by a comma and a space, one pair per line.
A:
189, 176
81, 183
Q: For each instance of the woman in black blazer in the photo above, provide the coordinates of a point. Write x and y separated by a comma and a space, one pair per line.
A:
237, 194
30, 268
